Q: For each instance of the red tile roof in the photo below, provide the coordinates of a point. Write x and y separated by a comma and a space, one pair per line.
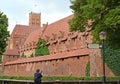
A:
56, 27
34, 36
31, 33
20, 30
61, 25
23, 29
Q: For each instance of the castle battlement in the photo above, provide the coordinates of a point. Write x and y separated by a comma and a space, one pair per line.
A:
62, 42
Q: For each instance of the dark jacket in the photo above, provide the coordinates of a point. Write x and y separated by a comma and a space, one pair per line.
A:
37, 78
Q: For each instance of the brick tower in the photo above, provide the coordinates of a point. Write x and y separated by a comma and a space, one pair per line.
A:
34, 19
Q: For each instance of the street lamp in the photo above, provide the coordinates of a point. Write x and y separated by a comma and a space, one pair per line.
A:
103, 37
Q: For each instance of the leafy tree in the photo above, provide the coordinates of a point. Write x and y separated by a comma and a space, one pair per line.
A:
105, 15
4, 33
41, 48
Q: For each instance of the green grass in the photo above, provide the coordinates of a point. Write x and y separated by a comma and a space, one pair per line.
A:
52, 78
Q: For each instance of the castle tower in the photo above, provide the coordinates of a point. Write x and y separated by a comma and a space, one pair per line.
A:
34, 19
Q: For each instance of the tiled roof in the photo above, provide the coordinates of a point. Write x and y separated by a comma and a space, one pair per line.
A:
79, 52
31, 33
20, 30
23, 29
33, 36
56, 27
11, 52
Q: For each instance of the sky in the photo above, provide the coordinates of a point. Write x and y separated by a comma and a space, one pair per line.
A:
17, 11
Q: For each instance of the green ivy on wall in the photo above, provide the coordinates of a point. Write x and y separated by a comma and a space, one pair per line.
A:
41, 48
23, 55
113, 60
32, 55
0, 59
87, 72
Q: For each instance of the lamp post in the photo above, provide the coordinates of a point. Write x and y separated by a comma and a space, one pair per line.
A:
103, 37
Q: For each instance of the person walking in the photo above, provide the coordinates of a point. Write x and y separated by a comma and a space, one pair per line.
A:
37, 77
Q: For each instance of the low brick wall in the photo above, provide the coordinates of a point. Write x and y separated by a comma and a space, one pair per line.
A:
74, 66
51, 65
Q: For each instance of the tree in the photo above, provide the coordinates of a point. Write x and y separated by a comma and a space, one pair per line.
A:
105, 15
4, 33
41, 48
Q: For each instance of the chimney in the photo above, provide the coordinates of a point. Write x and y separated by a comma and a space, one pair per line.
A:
44, 25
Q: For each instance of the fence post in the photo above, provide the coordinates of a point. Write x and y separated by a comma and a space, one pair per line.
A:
2, 81
118, 82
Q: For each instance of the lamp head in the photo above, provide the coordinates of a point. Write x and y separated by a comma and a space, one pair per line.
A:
102, 35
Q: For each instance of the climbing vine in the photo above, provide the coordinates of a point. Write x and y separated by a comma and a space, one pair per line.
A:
87, 72
113, 60
23, 55
32, 55
41, 48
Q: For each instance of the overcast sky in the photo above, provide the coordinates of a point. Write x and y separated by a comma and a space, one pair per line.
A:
17, 11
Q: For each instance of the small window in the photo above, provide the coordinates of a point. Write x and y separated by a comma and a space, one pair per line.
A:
62, 59
53, 64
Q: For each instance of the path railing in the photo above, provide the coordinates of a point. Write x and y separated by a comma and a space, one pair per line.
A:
11, 81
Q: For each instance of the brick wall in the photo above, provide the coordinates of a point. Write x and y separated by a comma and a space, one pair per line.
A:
61, 64
96, 64
74, 66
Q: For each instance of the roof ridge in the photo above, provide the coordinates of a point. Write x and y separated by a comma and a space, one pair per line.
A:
62, 19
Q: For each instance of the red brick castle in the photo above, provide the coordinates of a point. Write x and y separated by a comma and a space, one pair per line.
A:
69, 54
